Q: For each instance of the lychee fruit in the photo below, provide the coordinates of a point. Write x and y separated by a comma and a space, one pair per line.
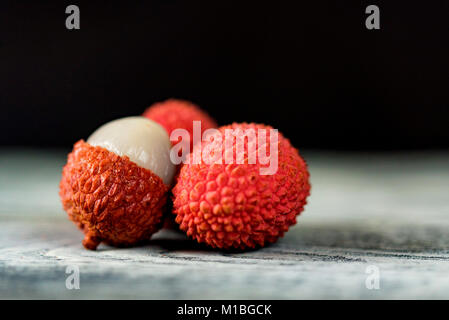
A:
115, 185
236, 204
179, 114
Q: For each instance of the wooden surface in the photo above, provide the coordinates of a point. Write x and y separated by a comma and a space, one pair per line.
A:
387, 211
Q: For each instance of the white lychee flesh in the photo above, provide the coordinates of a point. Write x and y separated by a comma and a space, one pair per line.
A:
144, 141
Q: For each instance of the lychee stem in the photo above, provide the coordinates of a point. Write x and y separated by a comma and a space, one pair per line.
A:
91, 241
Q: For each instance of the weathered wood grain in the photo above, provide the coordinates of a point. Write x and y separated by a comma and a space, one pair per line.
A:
390, 211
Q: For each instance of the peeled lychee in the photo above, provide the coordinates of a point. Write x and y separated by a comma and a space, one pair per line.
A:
179, 114
231, 205
115, 185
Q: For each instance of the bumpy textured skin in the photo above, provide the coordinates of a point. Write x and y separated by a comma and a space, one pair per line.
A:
179, 114
234, 206
110, 198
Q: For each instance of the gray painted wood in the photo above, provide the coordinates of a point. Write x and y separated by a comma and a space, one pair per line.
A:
389, 211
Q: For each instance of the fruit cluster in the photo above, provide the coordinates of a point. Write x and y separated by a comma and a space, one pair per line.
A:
115, 185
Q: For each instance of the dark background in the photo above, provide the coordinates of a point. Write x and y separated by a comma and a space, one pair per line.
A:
310, 69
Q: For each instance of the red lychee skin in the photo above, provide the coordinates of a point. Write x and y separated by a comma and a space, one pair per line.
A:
234, 206
179, 114
111, 198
